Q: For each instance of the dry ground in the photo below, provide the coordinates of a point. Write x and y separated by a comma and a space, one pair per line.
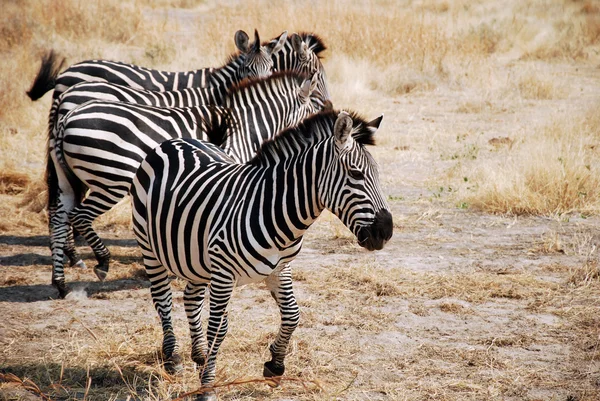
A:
488, 152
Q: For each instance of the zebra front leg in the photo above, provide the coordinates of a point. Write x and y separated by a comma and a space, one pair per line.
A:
280, 285
160, 288
218, 323
74, 258
82, 218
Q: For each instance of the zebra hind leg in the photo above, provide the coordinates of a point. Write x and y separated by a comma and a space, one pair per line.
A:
71, 253
82, 217
61, 200
160, 288
58, 233
280, 285
218, 323
193, 298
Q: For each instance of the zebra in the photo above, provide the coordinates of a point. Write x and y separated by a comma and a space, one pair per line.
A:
302, 53
216, 223
99, 146
252, 60
298, 52
211, 83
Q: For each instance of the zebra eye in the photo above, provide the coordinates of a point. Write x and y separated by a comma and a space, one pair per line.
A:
356, 174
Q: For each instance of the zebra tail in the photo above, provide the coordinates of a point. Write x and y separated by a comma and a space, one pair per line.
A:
52, 182
46, 76
78, 187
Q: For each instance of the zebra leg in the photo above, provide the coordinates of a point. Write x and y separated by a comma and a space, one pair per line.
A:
74, 258
218, 323
193, 298
160, 288
82, 217
58, 224
280, 285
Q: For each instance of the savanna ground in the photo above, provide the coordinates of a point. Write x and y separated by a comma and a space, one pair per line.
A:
489, 152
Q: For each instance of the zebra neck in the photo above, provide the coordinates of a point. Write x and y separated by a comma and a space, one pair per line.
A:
258, 122
291, 198
226, 76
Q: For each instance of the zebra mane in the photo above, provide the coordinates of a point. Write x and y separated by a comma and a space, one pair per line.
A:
263, 83
310, 131
232, 58
314, 42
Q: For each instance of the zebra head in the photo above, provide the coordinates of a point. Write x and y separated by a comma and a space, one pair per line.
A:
353, 189
307, 48
310, 100
258, 62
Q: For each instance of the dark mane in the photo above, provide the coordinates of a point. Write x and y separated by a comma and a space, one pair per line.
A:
314, 42
217, 125
304, 132
360, 131
264, 82
233, 57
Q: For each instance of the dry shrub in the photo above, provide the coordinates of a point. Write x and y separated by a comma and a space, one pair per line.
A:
452, 307
553, 171
533, 87
586, 274
113, 21
567, 31
35, 196
12, 182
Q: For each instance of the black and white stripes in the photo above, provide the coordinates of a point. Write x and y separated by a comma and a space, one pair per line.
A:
99, 145
209, 220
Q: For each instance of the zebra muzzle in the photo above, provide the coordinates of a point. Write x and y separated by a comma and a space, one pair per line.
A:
374, 236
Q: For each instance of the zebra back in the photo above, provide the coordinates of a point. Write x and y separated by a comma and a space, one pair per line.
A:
250, 60
105, 141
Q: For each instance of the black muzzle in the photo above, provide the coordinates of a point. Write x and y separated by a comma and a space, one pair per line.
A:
374, 236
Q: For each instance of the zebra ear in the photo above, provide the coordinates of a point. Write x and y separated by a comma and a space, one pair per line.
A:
276, 44
373, 125
342, 129
256, 45
299, 46
241, 41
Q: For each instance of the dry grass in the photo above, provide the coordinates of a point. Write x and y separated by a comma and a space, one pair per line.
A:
532, 87
550, 171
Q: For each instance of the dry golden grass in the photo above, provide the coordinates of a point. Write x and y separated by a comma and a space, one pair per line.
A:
548, 171
532, 87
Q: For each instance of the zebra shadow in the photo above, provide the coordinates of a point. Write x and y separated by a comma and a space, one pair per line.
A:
73, 380
43, 240
29, 259
16, 292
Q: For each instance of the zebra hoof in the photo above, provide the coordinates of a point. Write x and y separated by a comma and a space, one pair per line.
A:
79, 264
209, 395
101, 274
62, 288
273, 373
173, 365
